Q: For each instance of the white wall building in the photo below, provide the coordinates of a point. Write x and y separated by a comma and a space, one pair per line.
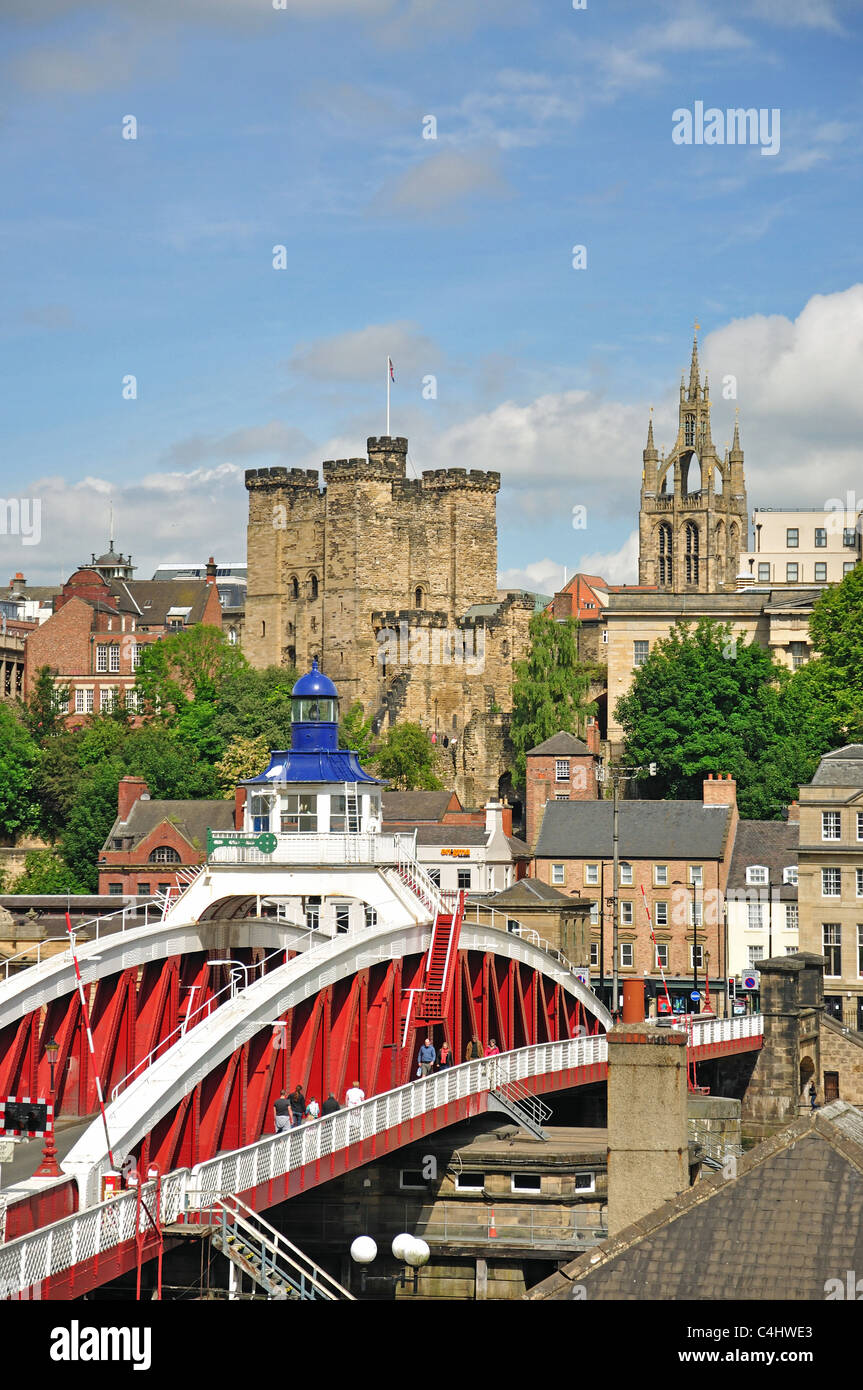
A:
801, 547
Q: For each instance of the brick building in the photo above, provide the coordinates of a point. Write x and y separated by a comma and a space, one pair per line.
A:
830, 878
101, 619
679, 853
391, 582
562, 768
151, 842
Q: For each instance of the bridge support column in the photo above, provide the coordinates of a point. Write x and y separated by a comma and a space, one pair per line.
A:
648, 1144
792, 1002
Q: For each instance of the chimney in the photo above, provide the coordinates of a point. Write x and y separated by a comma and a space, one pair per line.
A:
720, 790
129, 791
211, 571
239, 807
794, 813
591, 735
648, 1143
494, 818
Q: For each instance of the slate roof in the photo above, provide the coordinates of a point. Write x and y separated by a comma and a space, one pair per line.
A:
841, 768
134, 596
466, 837
531, 892
415, 806
786, 1224
560, 745
190, 818
771, 843
648, 830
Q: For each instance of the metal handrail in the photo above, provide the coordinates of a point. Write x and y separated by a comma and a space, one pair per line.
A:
265, 1235
105, 917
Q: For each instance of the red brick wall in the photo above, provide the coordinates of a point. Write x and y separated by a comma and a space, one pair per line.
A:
542, 787
131, 867
62, 642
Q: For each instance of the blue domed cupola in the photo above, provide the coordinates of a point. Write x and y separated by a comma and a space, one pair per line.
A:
314, 713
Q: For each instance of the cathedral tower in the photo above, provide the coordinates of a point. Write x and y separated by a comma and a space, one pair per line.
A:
692, 522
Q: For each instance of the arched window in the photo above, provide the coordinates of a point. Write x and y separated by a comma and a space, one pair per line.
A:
692, 552
292, 656
294, 586
665, 554
263, 627
232, 636
419, 597
163, 854
313, 586
689, 430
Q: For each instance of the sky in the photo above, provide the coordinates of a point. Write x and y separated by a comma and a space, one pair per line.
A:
221, 216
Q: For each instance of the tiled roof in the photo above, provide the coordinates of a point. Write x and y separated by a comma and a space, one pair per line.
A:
841, 768
648, 830
785, 1225
150, 599
560, 745
190, 818
772, 843
531, 892
451, 835
414, 807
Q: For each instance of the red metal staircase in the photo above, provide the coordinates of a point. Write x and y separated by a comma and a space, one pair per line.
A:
432, 1000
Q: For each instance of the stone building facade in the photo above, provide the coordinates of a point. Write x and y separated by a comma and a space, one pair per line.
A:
692, 531
390, 582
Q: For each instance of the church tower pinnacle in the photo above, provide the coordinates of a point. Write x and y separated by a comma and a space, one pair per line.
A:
693, 519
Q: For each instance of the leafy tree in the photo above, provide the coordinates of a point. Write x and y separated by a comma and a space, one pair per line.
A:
244, 757
43, 709
19, 756
188, 666
836, 682
705, 701
355, 732
45, 872
550, 690
254, 703
405, 759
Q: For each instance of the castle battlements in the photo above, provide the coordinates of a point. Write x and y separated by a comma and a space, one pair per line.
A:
451, 479
305, 478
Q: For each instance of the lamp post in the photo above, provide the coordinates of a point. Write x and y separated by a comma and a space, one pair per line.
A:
616, 774
679, 882
408, 1249
235, 975
49, 1167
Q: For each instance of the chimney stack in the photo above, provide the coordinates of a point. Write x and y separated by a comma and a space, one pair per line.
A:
648, 1142
211, 571
129, 791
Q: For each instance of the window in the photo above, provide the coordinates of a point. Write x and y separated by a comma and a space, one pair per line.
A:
79, 702
640, 651
115, 889
164, 887
259, 810
696, 957
345, 813
660, 875
792, 950
464, 879
662, 955
299, 813
114, 655
558, 873
106, 699
294, 586
859, 876
594, 953
831, 883
626, 914
763, 572
831, 825
756, 953
692, 552
594, 914
561, 770
860, 950
848, 566
660, 914
756, 916
371, 915
131, 698
792, 917
757, 873
143, 890
696, 913
689, 430
791, 572
626, 953
605, 636
821, 572
469, 1182
860, 825
625, 873
313, 586
313, 913
820, 537
789, 874
434, 875
88, 702
584, 1182
561, 796
591, 873
102, 657
526, 1182
343, 917
831, 937
849, 536
792, 538
164, 854
412, 1180
696, 875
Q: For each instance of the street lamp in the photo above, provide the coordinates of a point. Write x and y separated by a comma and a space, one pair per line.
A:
49, 1167
234, 973
408, 1249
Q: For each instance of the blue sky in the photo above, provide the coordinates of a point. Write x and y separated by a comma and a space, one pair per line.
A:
303, 127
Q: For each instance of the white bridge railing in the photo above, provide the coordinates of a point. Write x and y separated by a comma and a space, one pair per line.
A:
234, 847
36, 1257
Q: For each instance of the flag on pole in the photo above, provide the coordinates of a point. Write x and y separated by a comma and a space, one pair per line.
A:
392, 373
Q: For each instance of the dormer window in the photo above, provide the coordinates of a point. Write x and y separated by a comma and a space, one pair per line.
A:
757, 874
789, 874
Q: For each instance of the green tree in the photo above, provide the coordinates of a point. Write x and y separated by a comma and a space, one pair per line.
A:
45, 872
405, 759
257, 703
707, 701
243, 758
195, 665
45, 706
550, 690
19, 757
836, 682
355, 732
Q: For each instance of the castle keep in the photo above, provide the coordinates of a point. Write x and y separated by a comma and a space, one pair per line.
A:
391, 583
691, 533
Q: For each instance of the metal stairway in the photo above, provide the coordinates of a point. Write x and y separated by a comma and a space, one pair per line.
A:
268, 1257
514, 1099
433, 999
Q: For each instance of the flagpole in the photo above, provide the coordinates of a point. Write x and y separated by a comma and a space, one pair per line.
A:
388, 397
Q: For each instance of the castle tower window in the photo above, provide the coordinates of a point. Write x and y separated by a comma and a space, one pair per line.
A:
419, 597
692, 552
665, 554
689, 430
313, 586
294, 586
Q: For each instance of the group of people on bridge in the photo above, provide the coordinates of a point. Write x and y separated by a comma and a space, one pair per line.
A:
292, 1107
430, 1060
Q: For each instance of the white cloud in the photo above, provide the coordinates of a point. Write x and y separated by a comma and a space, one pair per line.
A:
445, 179
362, 355
615, 566
541, 577
280, 442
